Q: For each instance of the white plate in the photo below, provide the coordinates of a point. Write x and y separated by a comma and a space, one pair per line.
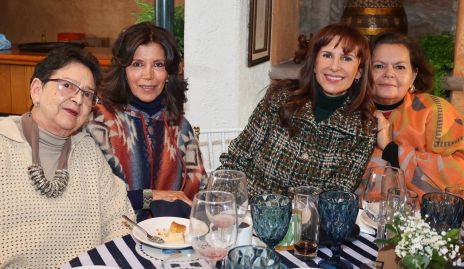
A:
151, 225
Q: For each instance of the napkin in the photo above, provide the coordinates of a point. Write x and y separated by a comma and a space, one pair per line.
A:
4, 43
366, 225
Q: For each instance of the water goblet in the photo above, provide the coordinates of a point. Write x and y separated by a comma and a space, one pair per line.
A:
271, 215
213, 224
458, 191
443, 211
252, 257
338, 211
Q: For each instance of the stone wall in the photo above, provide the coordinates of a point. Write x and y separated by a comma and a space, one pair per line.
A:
424, 16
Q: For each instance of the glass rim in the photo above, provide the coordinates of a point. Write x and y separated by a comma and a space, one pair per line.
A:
349, 194
268, 194
205, 192
217, 172
425, 196
385, 167
318, 190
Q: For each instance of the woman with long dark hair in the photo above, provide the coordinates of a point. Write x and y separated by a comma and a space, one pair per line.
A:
140, 126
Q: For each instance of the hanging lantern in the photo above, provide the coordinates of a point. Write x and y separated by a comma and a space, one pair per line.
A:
373, 17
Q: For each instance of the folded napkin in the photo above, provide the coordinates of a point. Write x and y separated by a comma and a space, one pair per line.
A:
4, 43
366, 225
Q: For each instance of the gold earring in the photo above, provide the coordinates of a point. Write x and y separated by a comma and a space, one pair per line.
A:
412, 89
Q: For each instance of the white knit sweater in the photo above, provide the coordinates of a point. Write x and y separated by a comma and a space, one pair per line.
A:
41, 232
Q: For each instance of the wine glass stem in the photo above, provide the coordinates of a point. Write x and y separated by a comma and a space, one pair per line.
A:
336, 251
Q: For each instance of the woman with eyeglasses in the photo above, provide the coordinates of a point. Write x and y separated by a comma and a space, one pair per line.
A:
140, 125
58, 195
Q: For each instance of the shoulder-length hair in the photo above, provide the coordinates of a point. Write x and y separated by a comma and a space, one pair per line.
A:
117, 92
350, 40
424, 77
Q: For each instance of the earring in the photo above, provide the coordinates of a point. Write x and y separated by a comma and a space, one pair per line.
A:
37, 104
412, 89
356, 80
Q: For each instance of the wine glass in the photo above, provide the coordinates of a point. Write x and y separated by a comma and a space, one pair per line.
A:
458, 191
232, 181
271, 215
338, 211
213, 224
380, 180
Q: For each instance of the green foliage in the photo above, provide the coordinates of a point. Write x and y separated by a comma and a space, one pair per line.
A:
438, 49
147, 13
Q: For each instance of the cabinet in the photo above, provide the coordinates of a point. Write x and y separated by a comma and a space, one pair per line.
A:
16, 69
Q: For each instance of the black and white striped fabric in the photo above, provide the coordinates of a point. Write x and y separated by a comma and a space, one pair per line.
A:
121, 253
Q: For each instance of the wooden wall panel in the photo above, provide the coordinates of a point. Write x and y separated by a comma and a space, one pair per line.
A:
19, 89
5, 85
285, 30
457, 97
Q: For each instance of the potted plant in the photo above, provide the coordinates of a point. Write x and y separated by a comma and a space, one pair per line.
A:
439, 50
147, 13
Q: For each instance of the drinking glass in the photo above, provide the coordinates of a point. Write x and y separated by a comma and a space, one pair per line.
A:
271, 215
213, 224
305, 203
443, 211
254, 257
338, 211
458, 191
380, 180
402, 202
234, 182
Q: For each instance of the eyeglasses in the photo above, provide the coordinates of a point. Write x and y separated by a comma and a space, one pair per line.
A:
68, 89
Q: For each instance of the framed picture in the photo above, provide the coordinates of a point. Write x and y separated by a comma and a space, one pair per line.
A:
259, 39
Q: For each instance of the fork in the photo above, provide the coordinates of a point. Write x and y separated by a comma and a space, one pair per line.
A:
153, 238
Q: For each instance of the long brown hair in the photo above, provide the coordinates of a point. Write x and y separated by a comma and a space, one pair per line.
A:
360, 92
117, 92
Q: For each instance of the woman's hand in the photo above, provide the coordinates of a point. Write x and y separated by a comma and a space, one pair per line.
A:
384, 130
171, 196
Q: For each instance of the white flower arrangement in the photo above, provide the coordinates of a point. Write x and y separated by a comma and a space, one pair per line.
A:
417, 245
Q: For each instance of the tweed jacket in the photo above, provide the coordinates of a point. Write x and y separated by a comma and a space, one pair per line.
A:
429, 133
41, 232
331, 154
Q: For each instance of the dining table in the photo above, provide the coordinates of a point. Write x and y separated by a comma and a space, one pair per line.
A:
126, 252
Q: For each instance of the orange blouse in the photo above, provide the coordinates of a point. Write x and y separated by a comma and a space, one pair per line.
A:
430, 137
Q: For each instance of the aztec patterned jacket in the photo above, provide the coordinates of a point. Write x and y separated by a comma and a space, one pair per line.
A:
429, 133
331, 154
147, 153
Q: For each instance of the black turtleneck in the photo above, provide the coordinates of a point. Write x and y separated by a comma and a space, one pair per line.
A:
326, 105
151, 108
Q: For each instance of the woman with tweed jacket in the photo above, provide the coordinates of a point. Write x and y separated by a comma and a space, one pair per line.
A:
317, 131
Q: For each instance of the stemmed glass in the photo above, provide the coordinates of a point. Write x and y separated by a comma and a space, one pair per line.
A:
234, 182
380, 180
213, 224
338, 211
443, 211
271, 215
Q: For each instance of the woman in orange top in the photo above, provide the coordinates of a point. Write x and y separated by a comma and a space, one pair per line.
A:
418, 132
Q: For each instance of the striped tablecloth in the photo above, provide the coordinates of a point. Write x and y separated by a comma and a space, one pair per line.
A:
122, 253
